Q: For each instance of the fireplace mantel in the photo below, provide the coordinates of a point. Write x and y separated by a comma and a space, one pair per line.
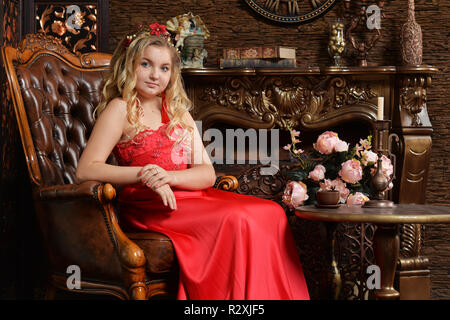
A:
319, 98
314, 99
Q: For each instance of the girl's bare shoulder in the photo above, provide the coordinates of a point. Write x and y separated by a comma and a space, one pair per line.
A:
114, 112
187, 118
117, 105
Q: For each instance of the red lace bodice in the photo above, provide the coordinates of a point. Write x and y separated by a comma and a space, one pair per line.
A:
152, 146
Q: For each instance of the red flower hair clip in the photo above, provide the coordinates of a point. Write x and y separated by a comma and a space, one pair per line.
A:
154, 29
157, 29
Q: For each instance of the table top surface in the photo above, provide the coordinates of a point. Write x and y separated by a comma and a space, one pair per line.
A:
401, 213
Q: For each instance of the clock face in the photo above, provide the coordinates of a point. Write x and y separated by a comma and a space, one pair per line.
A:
291, 11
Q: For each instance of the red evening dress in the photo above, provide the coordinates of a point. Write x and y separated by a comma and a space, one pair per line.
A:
229, 246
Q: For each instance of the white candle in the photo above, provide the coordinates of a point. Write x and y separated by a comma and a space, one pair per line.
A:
380, 108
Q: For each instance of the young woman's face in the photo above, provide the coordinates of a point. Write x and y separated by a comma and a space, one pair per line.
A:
153, 71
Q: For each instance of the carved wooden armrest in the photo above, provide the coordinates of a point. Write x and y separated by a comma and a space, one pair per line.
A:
69, 191
130, 255
227, 183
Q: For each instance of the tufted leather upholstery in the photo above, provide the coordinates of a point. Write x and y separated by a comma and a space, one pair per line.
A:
59, 102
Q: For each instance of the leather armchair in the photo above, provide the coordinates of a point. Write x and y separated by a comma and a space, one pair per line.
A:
54, 93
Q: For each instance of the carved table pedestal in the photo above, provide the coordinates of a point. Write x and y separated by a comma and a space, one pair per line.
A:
386, 238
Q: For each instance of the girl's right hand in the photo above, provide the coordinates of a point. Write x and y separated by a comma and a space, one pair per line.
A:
167, 196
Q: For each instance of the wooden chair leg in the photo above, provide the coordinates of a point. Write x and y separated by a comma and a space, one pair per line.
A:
138, 291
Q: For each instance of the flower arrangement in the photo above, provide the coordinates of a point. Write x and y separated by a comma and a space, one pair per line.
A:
332, 165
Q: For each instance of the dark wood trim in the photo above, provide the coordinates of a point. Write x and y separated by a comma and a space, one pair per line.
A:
378, 70
29, 19
103, 27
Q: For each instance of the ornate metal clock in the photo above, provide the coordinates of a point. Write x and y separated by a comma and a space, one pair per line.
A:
291, 11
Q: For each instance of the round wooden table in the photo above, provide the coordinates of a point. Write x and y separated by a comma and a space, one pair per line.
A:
386, 238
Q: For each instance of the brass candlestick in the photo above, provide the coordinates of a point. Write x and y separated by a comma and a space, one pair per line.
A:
379, 181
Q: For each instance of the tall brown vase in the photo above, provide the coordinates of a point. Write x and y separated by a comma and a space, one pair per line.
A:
411, 39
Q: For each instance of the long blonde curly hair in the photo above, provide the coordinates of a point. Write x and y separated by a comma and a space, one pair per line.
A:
121, 82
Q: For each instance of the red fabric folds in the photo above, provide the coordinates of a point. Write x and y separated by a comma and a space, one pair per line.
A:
229, 246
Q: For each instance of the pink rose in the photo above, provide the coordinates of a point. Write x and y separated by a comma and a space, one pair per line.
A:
357, 199
341, 146
386, 167
368, 157
326, 185
295, 194
351, 171
338, 185
318, 173
326, 142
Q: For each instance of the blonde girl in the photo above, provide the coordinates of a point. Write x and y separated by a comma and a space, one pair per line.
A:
228, 245
144, 78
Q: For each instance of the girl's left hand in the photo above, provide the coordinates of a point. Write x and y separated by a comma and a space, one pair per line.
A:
153, 176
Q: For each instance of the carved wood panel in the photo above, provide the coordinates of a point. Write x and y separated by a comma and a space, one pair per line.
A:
82, 26
282, 101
